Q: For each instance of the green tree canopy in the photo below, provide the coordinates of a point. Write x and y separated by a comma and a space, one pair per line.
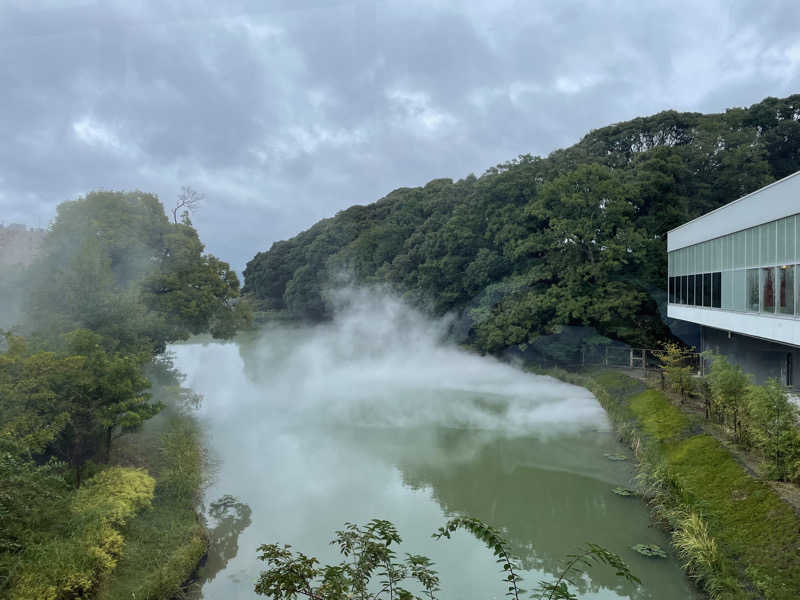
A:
113, 263
535, 244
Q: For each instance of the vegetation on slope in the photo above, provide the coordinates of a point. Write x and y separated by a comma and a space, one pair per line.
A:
164, 544
735, 535
65, 557
536, 244
113, 283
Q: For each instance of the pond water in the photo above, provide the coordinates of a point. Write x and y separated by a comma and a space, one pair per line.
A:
373, 416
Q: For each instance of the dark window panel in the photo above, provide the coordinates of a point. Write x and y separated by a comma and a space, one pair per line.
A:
698, 290
786, 290
768, 290
716, 290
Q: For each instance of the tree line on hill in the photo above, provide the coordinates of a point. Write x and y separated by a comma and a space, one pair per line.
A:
113, 283
536, 245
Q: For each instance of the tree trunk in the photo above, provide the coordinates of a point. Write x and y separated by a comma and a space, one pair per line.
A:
76, 462
109, 431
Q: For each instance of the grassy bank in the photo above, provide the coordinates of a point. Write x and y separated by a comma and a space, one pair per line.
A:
736, 537
163, 545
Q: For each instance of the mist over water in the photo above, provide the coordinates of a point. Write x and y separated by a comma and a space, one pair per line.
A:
381, 363
377, 415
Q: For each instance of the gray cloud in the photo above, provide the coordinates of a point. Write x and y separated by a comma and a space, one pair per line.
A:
286, 114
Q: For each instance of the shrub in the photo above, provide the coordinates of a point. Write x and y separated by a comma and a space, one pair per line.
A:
70, 562
774, 424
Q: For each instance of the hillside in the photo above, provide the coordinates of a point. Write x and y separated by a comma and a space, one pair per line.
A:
536, 244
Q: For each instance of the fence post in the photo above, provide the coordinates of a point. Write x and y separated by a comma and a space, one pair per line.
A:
630, 359
644, 362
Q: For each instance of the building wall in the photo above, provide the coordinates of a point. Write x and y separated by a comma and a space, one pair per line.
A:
736, 272
769, 203
760, 359
784, 330
19, 245
752, 270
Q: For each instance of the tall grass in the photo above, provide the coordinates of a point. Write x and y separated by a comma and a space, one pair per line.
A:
164, 545
734, 535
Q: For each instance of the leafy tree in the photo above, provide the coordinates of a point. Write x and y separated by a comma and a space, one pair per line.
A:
32, 417
368, 552
106, 392
194, 292
729, 389
774, 421
673, 359
71, 403
114, 264
583, 229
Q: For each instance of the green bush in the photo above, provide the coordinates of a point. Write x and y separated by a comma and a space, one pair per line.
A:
70, 561
773, 420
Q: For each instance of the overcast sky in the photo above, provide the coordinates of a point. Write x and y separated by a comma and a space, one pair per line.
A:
285, 115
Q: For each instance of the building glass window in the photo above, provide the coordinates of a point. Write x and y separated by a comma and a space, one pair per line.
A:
786, 290
771, 230
727, 290
727, 252
716, 256
739, 249
752, 290
752, 246
768, 290
698, 290
740, 290
750, 270
781, 244
716, 289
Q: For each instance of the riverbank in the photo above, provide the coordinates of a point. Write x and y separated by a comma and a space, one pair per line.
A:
165, 544
736, 537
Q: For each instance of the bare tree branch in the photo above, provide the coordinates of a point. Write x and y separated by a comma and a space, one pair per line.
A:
189, 200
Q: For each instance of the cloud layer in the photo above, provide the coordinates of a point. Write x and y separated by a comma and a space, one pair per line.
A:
286, 114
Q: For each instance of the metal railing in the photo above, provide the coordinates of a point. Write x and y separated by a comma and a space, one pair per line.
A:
619, 357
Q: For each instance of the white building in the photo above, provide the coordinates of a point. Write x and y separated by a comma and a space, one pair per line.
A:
735, 271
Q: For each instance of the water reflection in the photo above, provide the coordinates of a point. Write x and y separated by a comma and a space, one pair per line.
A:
549, 495
227, 518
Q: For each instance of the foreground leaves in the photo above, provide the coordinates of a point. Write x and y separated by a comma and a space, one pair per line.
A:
368, 552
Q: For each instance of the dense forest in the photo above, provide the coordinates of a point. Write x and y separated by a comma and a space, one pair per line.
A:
112, 283
536, 245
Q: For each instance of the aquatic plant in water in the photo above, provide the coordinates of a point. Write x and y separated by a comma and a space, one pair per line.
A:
610, 456
650, 550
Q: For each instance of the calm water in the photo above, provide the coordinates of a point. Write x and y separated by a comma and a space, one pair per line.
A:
312, 428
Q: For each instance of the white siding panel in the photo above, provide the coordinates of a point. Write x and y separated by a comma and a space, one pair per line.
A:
775, 201
779, 329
